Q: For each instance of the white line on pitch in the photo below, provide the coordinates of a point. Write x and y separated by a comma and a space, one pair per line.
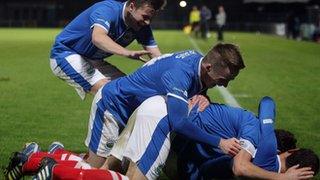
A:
227, 96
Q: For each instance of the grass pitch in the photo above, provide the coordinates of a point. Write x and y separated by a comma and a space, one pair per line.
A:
36, 106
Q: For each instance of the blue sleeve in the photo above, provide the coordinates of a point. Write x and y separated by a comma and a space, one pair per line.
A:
177, 82
145, 37
250, 129
103, 17
177, 115
266, 155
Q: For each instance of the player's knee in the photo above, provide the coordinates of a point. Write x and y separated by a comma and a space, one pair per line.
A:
94, 160
134, 172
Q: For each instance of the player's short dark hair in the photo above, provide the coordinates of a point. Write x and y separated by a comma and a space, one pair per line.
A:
155, 4
305, 158
285, 140
224, 54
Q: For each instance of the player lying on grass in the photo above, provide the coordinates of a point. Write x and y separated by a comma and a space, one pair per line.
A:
178, 76
57, 163
275, 152
100, 31
149, 142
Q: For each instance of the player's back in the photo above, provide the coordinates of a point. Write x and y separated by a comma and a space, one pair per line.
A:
159, 76
226, 121
77, 34
219, 120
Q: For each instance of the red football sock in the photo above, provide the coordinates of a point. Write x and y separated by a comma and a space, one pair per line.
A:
63, 151
63, 172
60, 156
31, 166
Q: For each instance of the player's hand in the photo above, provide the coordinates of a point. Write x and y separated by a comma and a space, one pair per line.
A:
298, 173
230, 146
137, 54
201, 100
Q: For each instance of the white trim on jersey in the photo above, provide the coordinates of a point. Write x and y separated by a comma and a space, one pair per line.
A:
151, 46
267, 121
124, 6
199, 73
96, 24
178, 97
248, 146
278, 158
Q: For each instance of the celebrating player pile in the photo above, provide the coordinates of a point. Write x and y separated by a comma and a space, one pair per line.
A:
136, 119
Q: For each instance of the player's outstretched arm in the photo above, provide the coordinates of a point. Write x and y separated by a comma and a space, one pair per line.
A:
243, 166
177, 115
105, 43
154, 51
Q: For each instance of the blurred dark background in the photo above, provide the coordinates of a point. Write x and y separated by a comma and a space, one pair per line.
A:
267, 16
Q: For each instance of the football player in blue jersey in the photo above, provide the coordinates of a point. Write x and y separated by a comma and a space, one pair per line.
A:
178, 76
273, 156
149, 145
100, 31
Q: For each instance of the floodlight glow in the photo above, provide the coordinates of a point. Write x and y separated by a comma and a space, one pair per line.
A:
183, 3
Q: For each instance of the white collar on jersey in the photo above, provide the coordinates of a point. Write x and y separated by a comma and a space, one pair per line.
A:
278, 158
199, 73
124, 7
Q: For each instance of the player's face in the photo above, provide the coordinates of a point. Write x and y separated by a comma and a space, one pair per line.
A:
141, 16
220, 77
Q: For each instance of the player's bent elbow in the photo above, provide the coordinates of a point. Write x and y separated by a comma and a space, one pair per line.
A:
240, 169
96, 40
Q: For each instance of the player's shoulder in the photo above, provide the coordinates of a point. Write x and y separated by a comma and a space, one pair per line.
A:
187, 53
187, 58
113, 5
224, 109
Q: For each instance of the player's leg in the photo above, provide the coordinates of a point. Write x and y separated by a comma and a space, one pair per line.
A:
108, 70
77, 72
268, 138
50, 169
18, 159
57, 152
149, 143
115, 161
103, 132
170, 169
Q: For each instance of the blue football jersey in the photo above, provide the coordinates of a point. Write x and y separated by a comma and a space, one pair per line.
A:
176, 75
109, 15
267, 155
267, 152
219, 120
226, 122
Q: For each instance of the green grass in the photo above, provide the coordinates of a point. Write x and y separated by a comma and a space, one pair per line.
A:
36, 106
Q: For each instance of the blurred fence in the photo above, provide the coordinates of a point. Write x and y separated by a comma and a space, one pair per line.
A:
306, 29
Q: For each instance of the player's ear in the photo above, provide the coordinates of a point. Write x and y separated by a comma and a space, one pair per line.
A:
208, 67
132, 6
